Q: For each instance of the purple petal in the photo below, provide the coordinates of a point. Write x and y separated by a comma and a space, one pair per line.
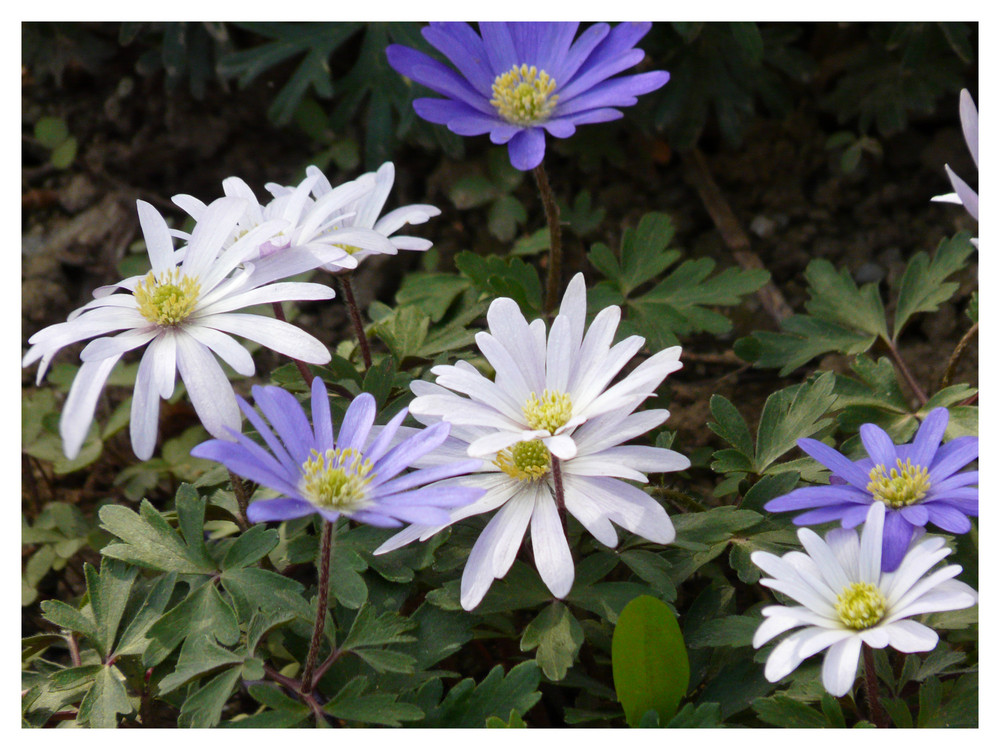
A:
322, 422
915, 514
285, 413
462, 46
955, 459
446, 111
854, 516
381, 444
257, 466
428, 475
435, 76
357, 422
836, 462
437, 496
410, 450
278, 509
527, 148
613, 55
896, 536
965, 499
879, 445
955, 481
559, 127
620, 92
968, 196
948, 518
969, 117
816, 497
928, 438
821, 515
563, 70
542, 43
958, 444
265, 432
499, 46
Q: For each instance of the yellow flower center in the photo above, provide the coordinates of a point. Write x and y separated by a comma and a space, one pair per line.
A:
525, 461
337, 479
550, 412
861, 605
167, 300
904, 485
523, 95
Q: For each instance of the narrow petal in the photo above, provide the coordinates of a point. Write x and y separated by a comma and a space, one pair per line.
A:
879, 445
78, 411
910, 637
527, 148
322, 422
840, 666
144, 419
278, 509
548, 542
928, 437
210, 392
276, 335
357, 422
495, 549
895, 539
836, 462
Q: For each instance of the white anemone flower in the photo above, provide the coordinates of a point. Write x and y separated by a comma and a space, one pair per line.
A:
363, 213
846, 600
544, 390
312, 232
964, 194
183, 311
520, 487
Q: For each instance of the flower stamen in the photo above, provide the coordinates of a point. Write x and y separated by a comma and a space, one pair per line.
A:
337, 479
526, 461
550, 412
167, 300
861, 605
903, 486
523, 95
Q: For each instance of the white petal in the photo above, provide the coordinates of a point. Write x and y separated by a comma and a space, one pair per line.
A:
909, 636
559, 355
277, 335
877, 637
189, 204
510, 376
279, 292
509, 327
78, 411
225, 347
870, 559
159, 244
561, 446
417, 213
495, 549
548, 542
493, 442
627, 506
164, 354
404, 537
210, 234
574, 308
210, 393
373, 205
145, 408
840, 666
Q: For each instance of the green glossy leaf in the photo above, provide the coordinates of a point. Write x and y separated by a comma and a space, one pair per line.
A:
649, 660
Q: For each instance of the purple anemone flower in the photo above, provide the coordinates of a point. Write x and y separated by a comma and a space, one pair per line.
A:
917, 482
352, 475
517, 80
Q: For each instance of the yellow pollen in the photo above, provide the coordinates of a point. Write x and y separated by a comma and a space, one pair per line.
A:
349, 249
861, 605
167, 300
523, 95
904, 485
550, 412
337, 479
525, 461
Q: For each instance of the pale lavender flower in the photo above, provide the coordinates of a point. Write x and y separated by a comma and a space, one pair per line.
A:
356, 474
964, 194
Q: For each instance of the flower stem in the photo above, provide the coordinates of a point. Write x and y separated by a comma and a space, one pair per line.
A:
359, 328
959, 348
907, 375
323, 564
242, 500
279, 314
560, 494
875, 710
552, 285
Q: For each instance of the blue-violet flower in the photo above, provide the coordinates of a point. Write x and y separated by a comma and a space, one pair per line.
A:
917, 482
352, 475
516, 81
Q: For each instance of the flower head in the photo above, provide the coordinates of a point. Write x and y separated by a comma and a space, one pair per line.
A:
363, 213
517, 81
520, 487
544, 389
846, 600
917, 483
316, 224
964, 194
182, 311
356, 475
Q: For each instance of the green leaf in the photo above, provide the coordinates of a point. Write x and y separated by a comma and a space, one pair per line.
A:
734, 630
374, 708
203, 610
51, 131
134, 640
750, 42
105, 700
200, 654
203, 708
558, 636
649, 660
792, 413
250, 547
782, 711
61, 614
513, 722
404, 331
432, 293
149, 541
371, 629
653, 569
108, 592
499, 277
256, 588
384, 660
923, 287
730, 425
468, 705
471, 191
62, 156
504, 217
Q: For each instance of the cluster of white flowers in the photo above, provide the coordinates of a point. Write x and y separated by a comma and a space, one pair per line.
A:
184, 310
